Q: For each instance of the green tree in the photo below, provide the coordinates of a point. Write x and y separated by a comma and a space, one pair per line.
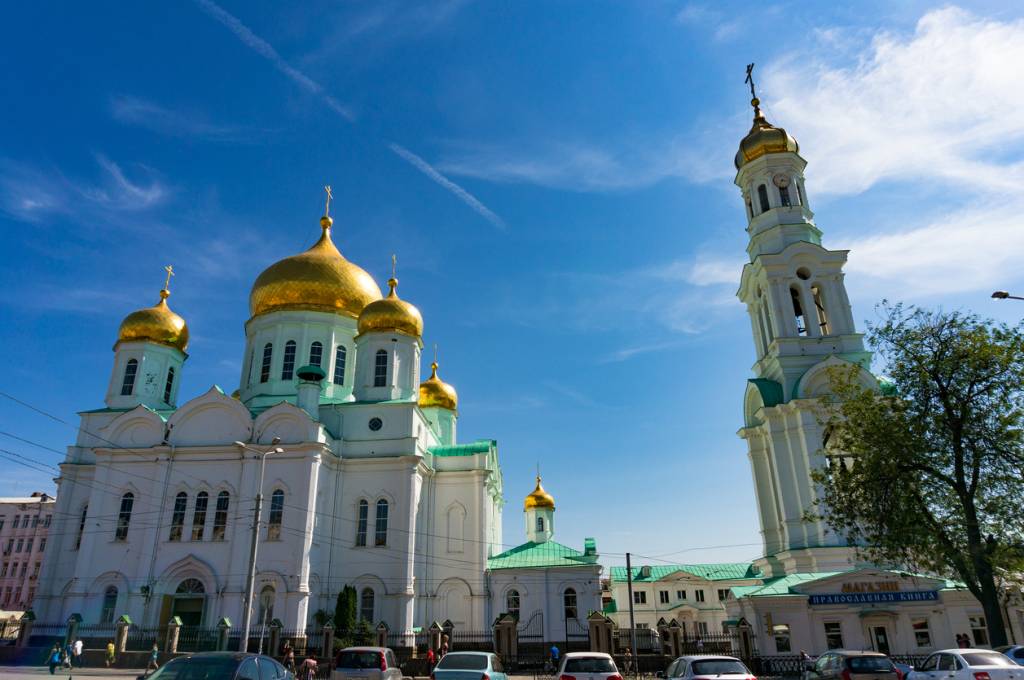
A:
345, 610
928, 475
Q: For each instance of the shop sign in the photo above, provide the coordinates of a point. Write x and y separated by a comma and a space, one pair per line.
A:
874, 597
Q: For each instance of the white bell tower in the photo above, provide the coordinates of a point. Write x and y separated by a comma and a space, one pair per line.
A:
802, 324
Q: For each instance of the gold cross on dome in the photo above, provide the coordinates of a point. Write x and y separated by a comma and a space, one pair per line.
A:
394, 266
170, 272
435, 352
750, 79
327, 208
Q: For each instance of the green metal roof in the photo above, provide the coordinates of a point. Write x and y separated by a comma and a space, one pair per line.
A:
479, 446
771, 391
543, 555
728, 571
780, 586
610, 608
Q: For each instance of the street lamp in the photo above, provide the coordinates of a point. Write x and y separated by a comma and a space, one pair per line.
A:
1003, 295
251, 584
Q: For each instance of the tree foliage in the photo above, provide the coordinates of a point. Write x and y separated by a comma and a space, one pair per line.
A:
930, 476
345, 610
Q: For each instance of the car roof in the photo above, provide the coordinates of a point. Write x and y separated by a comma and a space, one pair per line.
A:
366, 649
470, 652
960, 650
578, 655
705, 657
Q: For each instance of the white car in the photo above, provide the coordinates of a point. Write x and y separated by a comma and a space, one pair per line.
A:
967, 664
708, 667
587, 666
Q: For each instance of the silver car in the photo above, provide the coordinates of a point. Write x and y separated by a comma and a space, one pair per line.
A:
967, 664
587, 666
708, 667
366, 663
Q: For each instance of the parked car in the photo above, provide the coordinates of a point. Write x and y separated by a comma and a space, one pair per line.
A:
967, 664
587, 666
366, 663
1014, 652
708, 667
846, 664
469, 666
221, 666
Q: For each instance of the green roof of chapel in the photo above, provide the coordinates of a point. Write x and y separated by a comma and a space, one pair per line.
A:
549, 554
479, 446
727, 571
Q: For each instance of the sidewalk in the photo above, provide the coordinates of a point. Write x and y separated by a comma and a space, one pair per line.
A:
23, 672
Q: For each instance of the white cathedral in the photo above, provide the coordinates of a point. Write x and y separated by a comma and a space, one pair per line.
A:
365, 481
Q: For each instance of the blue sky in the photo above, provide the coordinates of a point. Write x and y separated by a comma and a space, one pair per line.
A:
555, 179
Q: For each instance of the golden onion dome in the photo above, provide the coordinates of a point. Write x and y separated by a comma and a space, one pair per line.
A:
436, 392
763, 138
320, 279
391, 314
155, 324
539, 498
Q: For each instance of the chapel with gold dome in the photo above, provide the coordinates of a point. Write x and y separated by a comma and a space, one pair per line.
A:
365, 479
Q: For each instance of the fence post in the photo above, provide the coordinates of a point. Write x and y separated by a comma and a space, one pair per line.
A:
506, 637
121, 636
275, 637
223, 629
72, 632
382, 634
675, 641
327, 649
435, 635
449, 628
173, 631
25, 632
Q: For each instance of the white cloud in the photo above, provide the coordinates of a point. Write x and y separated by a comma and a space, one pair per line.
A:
705, 18
187, 124
941, 104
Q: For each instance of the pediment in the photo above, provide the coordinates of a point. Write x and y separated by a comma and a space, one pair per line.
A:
287, 421
212, 419
139, 428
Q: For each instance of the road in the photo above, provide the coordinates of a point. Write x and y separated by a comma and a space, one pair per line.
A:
36, 672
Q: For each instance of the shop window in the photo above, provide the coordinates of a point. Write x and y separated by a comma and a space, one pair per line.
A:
979, 630
781, 634
833, 635
922, 634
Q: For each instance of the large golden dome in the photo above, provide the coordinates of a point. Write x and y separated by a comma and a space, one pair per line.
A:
155, 324
320, 279
436, 392
539, 498
391, 314
763, 138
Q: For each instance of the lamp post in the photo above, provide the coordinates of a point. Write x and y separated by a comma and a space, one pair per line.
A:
1003, 295
251, 582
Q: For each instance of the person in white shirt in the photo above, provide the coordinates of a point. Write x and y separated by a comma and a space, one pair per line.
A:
77, 651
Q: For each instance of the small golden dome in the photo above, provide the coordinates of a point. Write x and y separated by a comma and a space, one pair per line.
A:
320, 279
391, 314
436, 392
763, 138
155, 324
539, 498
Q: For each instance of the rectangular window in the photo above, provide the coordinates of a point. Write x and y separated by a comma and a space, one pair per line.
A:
42, 544
922, 634
979, 630
663, 596
2, 519
364, 515
15, 523
380, 369
723, 594
24, 569
782, 642
381, 528
128, 384
220, 516
45, 524
680, 594
178, 517
35, 521
28, 545
639, 597
698, 595
35, 569
339, 365
10, 546
21, 544
833, 635
268, 353
702, 627
3, 570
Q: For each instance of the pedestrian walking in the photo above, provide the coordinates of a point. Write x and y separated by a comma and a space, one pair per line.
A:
153, 656
69, 649
444, 647
431, 658
77, 652
289, 658
54, 658
307, 671
110, 654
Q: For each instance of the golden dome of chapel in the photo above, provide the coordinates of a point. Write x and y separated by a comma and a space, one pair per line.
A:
391, 314
436, 392
155, 324
539, 498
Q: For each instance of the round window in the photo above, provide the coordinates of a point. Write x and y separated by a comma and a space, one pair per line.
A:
376, 424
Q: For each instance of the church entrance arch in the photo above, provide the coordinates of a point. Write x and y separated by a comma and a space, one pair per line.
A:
189, 601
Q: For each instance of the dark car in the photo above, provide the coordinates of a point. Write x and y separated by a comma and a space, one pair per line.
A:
221, 666
843, 664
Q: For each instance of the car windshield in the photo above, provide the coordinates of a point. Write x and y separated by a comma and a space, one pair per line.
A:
463, 662
358, 660
869, 664
719, 667
197, 668
986, 659
589, 664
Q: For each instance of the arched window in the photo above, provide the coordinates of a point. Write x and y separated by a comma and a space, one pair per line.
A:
366, 605
81, 527
128, 384
266, 611
456, 528
178, 516
800, 194
316, 354
512, 603
784, 195
569, 600
124, 516
339, 365
276, 515
364, 515
220, 516
798, 312
199, 515
819, 307
169, 385
109, 605
540, 523
191, 586
381, 528
268, 352
288, 365
380, 369
762, 197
